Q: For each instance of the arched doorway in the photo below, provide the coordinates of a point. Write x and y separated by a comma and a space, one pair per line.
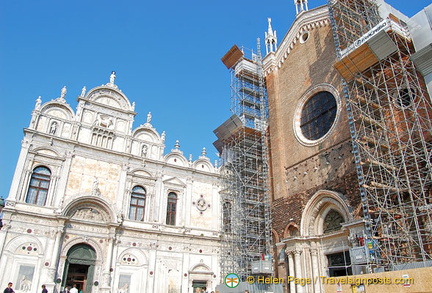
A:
79, 267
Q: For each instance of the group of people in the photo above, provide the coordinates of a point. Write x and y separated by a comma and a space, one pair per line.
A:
10, 290
44, 289
71, 290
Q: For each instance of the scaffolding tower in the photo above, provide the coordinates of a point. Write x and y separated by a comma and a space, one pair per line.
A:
389, 114
242, 145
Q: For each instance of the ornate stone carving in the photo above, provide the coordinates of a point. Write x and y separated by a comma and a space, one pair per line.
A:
129, 259
95, 188
104, 121
144, 150
88, 214
53, 128
201, 204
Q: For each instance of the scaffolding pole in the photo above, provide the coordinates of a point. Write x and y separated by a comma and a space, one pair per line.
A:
389, 114
242, 144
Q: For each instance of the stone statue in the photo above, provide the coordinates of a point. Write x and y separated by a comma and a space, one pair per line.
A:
25, 284
38, 103
95, 189
53, 128
112, 77
163, 136
63, 92
144, 151
83, 91
124, 288
149, 117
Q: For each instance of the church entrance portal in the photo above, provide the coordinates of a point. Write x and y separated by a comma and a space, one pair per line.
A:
79, 268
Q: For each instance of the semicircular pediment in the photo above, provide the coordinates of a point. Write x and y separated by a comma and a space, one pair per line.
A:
175, 158
58, 110
141, 173
203, 165
109, 97
89, 209
47, 152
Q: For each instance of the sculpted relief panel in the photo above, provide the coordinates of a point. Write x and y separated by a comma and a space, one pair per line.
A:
89, 214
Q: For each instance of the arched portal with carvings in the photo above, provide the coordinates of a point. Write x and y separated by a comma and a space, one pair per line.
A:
80, 267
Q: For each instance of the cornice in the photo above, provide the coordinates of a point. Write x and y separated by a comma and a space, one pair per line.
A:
305, 21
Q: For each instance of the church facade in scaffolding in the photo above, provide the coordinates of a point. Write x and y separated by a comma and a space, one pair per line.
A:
96, 203
350, 142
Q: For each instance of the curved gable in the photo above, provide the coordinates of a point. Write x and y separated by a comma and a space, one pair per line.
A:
58, 110
176, 159
110, 97
141, 173
146, 134
47, 152
203, 165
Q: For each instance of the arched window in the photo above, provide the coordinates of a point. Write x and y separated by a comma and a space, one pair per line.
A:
171, 209
137, 203
38, 187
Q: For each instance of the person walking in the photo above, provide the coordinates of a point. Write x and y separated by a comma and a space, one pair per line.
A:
9, 288
74, 289
44, 289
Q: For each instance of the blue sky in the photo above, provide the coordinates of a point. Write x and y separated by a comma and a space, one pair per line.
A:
166, 55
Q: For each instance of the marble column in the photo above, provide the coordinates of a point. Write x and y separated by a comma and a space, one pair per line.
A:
315, 270
298, 271
291, 271
54, 248
107, 270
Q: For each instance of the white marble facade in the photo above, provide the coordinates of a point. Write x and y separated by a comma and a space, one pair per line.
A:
98, 203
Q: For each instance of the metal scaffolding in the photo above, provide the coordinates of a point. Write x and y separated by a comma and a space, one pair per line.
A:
389, 113
242, 145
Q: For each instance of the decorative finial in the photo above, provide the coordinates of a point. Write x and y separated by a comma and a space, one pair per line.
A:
190, 158
177, 145
38, 103
163, 136
301, 5
270, 38
204, 152
83, 91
